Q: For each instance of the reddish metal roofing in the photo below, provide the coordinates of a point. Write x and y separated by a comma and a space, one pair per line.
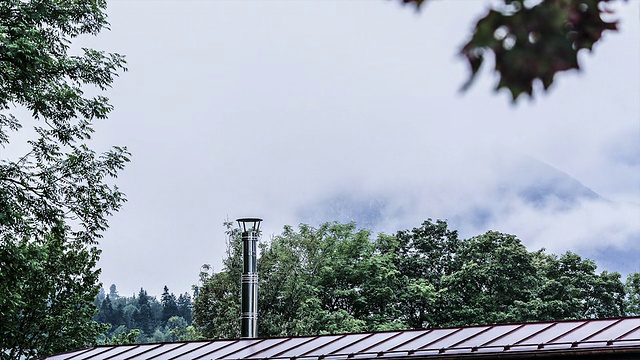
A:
544, 338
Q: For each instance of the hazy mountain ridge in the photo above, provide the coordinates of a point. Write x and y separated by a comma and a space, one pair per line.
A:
528, 181
530, 197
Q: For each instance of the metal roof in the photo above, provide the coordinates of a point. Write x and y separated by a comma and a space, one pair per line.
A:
606, 336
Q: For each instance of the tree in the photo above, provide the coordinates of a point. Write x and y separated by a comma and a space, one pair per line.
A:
217, 307
145, 314
105, 311
632, 289
177, 329
122, 337
570, 288
494, 276
336, 279
169, 305
531, 42
47, 305
99, 298
148, 314
325, 279
113, 292
185, 307
424, 256
55, 198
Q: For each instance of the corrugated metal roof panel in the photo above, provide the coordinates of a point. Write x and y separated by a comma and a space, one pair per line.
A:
335, 347
456, 337
632, 335
373, 339
313, 343
178, 352
616, 331
554, 331
153, 351
222, 352
208, 347
427, 338
67, 355
281, 347
401, 338
255, 350
566, 337
130, 353
486, 337
518, 334
115, 351
583, 332
91, 354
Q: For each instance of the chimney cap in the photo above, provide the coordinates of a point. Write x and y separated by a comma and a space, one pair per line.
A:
249, 224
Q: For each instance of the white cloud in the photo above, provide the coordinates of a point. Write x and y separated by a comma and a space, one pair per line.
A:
263, 109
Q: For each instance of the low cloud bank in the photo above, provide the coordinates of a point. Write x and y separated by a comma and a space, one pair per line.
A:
544, 207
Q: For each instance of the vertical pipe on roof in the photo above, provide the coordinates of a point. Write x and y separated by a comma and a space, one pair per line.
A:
249, 317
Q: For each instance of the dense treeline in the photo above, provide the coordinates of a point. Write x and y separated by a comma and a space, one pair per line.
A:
337, 278
144, 319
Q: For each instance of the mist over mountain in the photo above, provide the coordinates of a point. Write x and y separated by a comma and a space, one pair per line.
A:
543, 206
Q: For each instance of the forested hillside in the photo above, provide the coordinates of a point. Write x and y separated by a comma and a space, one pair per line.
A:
337, 278
143, 318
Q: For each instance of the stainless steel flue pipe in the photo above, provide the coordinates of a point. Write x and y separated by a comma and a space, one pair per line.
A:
250, 228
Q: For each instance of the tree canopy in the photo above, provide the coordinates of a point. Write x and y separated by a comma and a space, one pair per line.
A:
144, 319
532, 41
337, 278
56, 196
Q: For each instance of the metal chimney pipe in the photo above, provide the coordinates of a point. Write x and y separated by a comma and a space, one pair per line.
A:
249, 319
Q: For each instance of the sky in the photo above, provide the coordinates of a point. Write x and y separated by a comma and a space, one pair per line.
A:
301, 111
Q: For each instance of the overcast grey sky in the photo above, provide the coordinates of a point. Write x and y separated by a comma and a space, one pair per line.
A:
274, 108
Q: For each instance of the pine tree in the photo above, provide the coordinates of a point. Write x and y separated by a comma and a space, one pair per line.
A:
113, 292
185, 307
169, 306
143, 316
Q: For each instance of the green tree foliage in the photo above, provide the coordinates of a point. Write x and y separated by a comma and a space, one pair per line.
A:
169, 305
185, 307
219, 309
47, 301
632, 288
494, 275
113, 291
177, 329
570, 288
124, 338
54, 197
333, 274
532, 41
337, 278
424, 256
142, 319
